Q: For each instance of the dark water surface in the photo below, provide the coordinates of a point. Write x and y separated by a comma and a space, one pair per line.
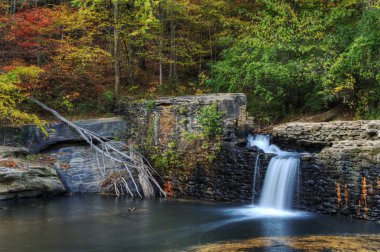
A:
100, 223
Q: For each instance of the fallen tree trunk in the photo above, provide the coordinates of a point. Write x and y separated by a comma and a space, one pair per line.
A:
130, 161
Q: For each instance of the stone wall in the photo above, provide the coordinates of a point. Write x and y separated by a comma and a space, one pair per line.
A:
168, 117
311, 135
213, 168
343, 179
229, 177
342, 175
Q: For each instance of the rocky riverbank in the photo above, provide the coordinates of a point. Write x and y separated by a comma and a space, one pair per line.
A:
54, 164
25, 178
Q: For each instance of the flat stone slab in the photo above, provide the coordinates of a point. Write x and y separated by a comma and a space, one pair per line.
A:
230, 103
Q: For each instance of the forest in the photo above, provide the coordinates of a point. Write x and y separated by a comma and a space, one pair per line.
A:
290, 58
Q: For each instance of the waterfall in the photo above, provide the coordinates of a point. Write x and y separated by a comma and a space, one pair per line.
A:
281, 176
256, 172
279, 182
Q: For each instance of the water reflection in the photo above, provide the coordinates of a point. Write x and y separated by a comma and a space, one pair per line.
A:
96, 223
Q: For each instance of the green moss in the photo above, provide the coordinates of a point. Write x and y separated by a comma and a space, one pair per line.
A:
183, 121
211, 157
190, 137
167, 158
211, 120
149, 104
193, 147
183, 110
150, 135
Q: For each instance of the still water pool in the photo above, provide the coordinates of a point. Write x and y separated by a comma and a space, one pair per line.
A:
100, 223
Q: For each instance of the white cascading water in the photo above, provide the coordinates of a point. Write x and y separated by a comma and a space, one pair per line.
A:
281, 176
256, 172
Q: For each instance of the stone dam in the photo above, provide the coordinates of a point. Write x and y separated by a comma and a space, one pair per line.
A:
339, 175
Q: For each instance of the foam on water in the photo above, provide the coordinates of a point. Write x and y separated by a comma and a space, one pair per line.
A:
257, 212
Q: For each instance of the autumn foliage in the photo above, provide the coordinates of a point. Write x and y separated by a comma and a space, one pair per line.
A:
58, 41
168, 188
32, 27
9, 163
288, 57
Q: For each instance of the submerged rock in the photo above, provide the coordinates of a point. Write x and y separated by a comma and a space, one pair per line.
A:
368, 242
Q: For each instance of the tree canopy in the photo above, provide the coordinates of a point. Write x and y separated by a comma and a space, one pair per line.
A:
289, 57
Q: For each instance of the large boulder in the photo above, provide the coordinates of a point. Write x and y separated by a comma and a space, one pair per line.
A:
78, 168
22, 177
29, 182
83, 171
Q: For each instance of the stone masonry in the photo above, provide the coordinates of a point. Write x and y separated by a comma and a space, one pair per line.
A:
194, 166
342, 177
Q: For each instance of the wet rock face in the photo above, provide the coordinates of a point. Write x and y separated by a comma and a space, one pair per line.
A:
228, 178
75, 161
78, 169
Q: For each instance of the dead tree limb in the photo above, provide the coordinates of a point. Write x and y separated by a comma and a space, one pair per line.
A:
129, 160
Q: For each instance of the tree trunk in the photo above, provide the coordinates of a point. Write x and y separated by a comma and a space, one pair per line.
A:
62, 35
142, 61
38, 58
14, 6
160, 43
116, 49
175, 75
171, 56
200, 68
160, 64
210, 41
130, 66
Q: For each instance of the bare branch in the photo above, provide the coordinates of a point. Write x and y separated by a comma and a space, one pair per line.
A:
118, 157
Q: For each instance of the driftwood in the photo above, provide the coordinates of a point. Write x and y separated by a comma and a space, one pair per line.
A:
125, 161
